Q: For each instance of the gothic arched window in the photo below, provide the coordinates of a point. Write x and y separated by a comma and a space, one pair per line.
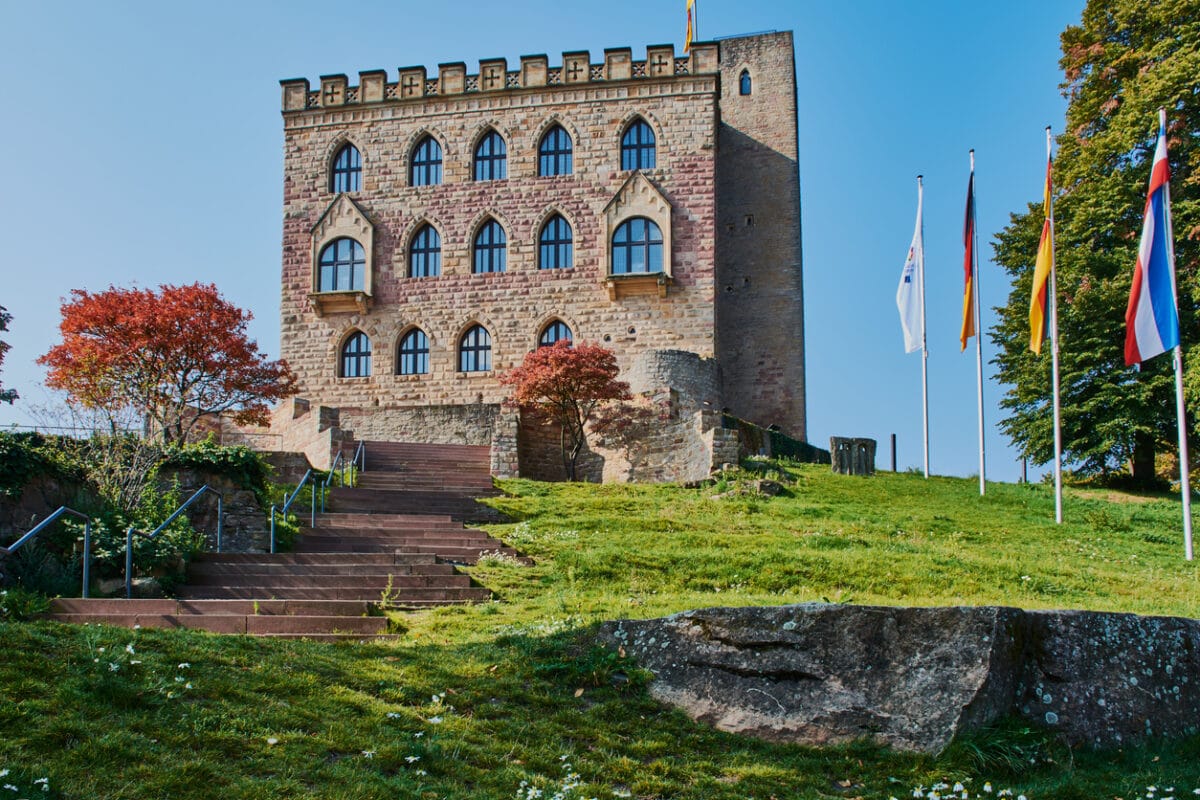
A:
556, 245
475, 350
426, 167
413, 353
356, 356
491, 247
346, 175
425, 253
555, 153
553, 332
637, 146
491, 158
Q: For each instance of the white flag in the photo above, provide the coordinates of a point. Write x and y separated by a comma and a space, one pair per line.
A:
910, 292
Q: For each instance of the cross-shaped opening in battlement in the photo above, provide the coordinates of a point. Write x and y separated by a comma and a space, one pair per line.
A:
410, 84
491, 78
574, 70
659, 63
332, 92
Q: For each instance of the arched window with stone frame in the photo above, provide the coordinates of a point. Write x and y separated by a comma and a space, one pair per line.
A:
342, 266
744, 84
556, 153
553, 332
425, 253
345, 174
355, 361
637, 247
491, 158
475, 350
412, 356
490, 248
556, 245
426, 165
638, 147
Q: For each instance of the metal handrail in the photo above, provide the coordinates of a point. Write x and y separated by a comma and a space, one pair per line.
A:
360, 457
308, 477
329, 478
87, 539
174, 516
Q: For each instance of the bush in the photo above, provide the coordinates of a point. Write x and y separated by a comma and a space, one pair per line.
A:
240, 464
24, 456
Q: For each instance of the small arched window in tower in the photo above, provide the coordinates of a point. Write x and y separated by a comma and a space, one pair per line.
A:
637, 146
555, 153
414, 353
744, 82
425, 253
426, 167
554, 332
491, 248
555, 244
491, 158
347, 170
475, 350
637, 247
341, 267
356, 356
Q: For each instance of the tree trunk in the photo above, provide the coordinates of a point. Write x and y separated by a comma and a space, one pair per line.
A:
1142, 462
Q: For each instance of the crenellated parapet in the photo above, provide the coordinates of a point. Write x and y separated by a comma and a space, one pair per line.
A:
494, 75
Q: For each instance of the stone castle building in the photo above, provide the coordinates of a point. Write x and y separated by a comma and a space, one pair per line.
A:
438, 227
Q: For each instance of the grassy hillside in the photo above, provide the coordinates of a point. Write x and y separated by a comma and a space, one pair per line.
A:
506, 699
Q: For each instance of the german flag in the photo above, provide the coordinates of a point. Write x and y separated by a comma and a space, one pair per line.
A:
691, 26
968, 320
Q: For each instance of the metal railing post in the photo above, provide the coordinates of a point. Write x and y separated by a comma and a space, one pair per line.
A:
129, 563
220, 517
272, 529
87, 556
312, 519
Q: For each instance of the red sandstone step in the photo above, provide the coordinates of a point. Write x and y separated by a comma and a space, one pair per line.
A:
411, 559
267, 568
118, 606
275, 583
408, 596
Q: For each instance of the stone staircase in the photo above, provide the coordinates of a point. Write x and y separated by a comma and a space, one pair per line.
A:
392, 542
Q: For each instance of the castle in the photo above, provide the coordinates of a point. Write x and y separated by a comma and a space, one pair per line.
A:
439, 227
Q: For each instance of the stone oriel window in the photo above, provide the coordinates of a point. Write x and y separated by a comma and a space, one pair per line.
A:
414, 353
356, 357
426, 169
425, 253
346, 175
342, 266
555, 153
637, 146
637, 247
744, 82
553, 332
556, 247
475, 350
491, 248
491, 158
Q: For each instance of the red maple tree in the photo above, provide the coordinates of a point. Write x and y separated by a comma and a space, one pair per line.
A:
174, 354
568, 384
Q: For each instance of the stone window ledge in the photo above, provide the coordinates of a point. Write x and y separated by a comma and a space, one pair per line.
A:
339, 302
637, 283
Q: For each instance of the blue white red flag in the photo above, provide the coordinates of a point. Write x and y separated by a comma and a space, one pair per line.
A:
1152, 318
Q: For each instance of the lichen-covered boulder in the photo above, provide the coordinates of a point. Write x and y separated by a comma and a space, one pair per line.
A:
821, 674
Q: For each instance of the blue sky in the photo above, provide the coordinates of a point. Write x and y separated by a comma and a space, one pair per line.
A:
143, 143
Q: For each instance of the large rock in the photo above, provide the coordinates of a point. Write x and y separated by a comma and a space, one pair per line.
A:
912, 678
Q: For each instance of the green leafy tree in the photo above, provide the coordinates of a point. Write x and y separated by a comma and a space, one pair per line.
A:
1125, 60
6, 395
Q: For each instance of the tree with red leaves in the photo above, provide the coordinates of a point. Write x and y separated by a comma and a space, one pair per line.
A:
174, 355
568, 384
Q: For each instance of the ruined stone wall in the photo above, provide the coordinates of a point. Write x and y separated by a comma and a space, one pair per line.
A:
760, 293
474, 423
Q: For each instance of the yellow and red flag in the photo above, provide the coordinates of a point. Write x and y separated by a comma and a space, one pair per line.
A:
968, 320
691, 26
1041, 270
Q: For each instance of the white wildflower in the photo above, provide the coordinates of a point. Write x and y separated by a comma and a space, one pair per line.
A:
3, 773
113, 666
434, 720
393, 715
129, 648
184, 665
271, 740
412, 759
368, 753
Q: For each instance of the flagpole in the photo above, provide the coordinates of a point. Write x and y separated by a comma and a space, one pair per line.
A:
924, 343
978, 326
1058, 513
1185, 489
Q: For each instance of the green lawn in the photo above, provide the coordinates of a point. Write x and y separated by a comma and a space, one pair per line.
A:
473, 701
